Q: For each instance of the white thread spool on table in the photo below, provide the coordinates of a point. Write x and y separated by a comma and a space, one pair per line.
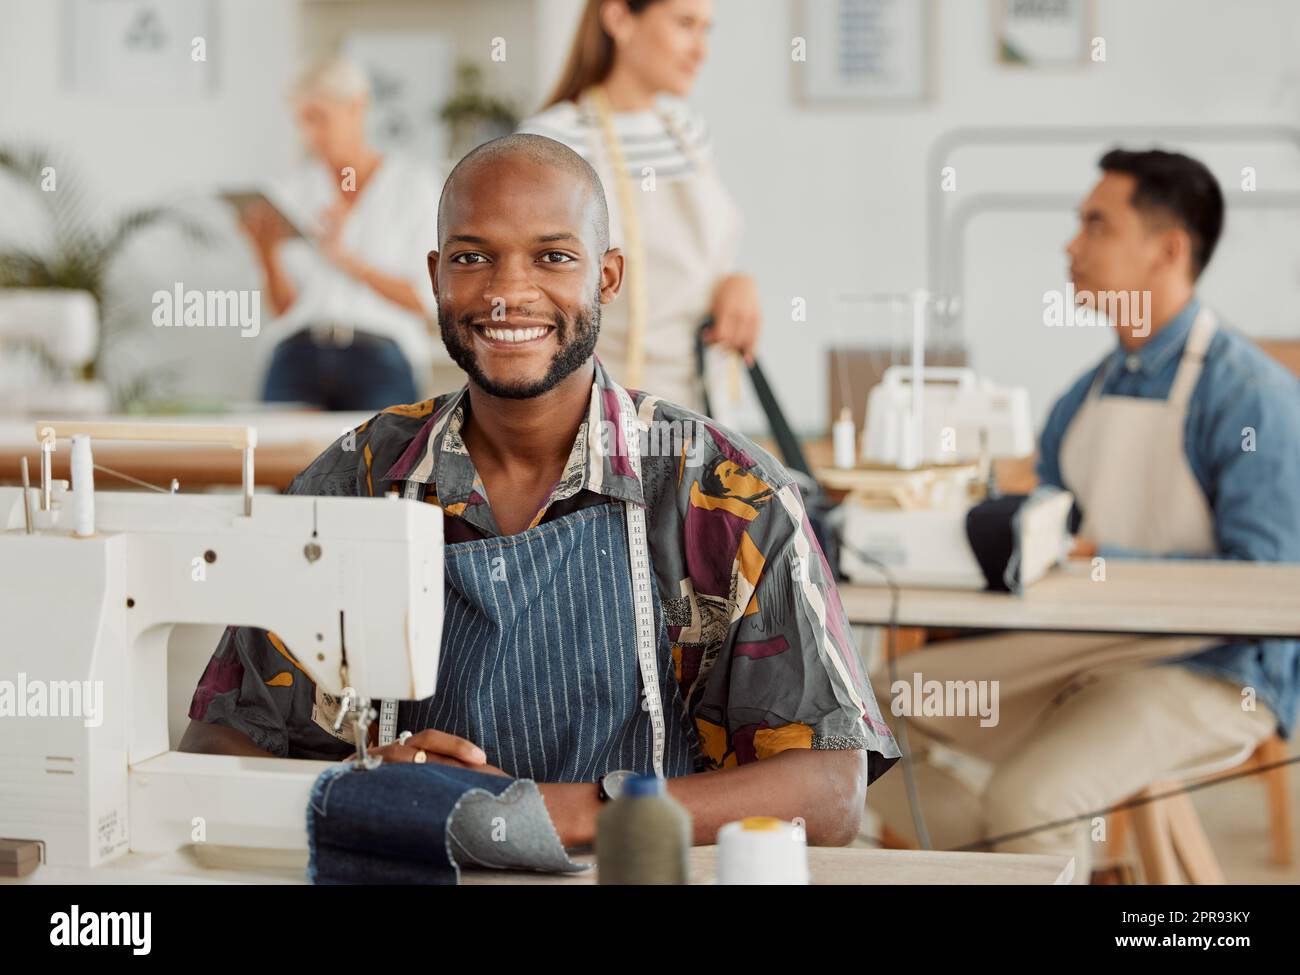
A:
762, 850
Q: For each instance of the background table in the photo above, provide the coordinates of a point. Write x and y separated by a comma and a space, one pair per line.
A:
1165, 596
287, 441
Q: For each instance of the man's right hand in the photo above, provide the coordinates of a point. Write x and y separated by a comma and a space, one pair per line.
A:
440, 747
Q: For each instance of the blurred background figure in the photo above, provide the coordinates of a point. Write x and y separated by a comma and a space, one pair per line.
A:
619, 104
353, 302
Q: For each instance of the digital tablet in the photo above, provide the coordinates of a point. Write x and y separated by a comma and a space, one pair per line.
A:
243, 199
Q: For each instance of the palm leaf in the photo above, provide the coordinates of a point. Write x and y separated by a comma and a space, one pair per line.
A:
83, 247
130, 224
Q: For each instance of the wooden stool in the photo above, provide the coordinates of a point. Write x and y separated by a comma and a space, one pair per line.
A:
1169, 832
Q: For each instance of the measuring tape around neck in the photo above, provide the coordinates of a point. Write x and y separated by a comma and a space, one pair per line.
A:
642, 580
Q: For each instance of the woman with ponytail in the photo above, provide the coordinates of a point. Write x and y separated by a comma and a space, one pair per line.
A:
619, 103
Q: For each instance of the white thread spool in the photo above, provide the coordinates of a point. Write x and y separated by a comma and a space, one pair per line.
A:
83, 487
844, 437
909, 442
762, 850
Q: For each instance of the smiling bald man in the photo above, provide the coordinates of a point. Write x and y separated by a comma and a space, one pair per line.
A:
539, 473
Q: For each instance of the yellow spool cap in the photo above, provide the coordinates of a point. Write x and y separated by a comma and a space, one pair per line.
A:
760, 824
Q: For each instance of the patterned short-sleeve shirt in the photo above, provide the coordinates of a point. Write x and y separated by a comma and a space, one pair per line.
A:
762, 649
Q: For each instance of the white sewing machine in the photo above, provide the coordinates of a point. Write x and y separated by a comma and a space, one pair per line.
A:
91, 585
914, 524
927, 448
962, 416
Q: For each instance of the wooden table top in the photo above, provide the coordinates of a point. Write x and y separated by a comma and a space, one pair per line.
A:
1166, 596
828, 865
851, 865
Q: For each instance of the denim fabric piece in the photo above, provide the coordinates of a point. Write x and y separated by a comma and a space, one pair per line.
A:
399, 824
509, 831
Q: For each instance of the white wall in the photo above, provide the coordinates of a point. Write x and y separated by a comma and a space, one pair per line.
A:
154, 149
834, 197
143, 146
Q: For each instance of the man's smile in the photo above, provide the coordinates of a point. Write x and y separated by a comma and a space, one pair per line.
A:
512, 335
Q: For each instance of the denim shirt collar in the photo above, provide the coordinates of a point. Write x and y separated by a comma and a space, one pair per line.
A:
1161, 347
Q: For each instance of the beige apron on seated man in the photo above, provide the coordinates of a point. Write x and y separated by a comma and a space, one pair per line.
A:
1070, 737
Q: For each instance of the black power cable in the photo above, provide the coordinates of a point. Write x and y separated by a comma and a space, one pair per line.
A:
891, 658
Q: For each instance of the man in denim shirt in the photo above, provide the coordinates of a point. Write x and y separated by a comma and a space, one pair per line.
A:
1183, 442
1241, 443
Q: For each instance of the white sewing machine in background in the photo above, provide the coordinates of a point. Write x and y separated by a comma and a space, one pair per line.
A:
91, 585
927, 449
46, 336
963, 418
914, 524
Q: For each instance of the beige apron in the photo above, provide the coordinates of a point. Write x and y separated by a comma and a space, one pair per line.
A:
688, 229
1125, 460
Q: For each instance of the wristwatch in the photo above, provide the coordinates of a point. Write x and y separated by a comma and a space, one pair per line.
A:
610, 785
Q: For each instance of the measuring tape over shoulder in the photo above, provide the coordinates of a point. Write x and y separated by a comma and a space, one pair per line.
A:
633, 243
642, 580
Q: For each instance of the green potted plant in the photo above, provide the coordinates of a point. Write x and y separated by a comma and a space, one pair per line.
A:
81, 251
474, 115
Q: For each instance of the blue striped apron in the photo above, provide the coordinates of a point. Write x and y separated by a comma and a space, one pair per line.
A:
538, 664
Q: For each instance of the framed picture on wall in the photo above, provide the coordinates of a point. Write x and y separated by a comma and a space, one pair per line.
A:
1043, 32
411, 78
163, 48
863, 52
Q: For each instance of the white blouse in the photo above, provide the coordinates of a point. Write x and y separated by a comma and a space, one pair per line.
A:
392, 226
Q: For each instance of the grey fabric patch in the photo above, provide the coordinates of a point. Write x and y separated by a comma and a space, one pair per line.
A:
512, 831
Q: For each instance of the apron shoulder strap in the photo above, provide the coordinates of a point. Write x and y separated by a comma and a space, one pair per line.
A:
634, 246
1099, 377
1193, 360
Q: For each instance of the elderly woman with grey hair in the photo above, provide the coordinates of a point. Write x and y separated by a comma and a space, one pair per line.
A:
353, 302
